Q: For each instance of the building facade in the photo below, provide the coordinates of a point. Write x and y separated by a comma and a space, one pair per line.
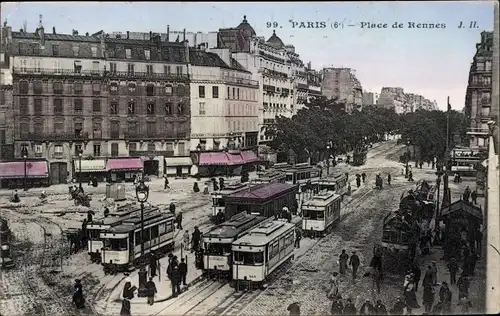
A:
392, 98
313, 82
6, 104
224, 102
342, 84
368, 98
478, 99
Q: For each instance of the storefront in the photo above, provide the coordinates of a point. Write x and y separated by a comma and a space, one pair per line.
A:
90, 168
12, 174
124, 169
178, 166
224, 163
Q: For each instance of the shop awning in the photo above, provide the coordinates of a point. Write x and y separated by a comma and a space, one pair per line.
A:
15, 170
235, 159
249, 156
124, 164
95, 165
213, 159
178, 161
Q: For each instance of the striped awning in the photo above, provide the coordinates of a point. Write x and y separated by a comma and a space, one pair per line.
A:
94, 165
178, 161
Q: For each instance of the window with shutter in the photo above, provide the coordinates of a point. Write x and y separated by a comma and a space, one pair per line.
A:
58, 106
38, 106
23, 106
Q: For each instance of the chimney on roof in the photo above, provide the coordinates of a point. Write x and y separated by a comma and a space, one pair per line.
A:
54, 30
128, 34
168, 33
118, 36
75, 32
186, 51
184, 35
150, 35
86, 33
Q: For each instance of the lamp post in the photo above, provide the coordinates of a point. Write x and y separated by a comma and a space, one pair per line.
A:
24, 153
407, 157
438, 184
80, 154
142, 194
328, 147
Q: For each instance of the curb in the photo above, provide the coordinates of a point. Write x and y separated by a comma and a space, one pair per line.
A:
160, 300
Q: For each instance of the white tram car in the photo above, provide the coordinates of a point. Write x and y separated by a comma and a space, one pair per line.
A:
218, 198
94, 228
265, 248
217, 257
122, 243
271, 176
336, 183
320, 213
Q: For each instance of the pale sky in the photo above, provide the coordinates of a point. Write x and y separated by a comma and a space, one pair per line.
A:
431, 62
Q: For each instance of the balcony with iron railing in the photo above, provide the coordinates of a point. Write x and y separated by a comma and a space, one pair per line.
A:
57, 72
240, 81
146, 75
83, 136
144, 136
480, 85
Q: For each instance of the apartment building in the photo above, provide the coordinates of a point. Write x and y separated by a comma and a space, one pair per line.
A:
341, 84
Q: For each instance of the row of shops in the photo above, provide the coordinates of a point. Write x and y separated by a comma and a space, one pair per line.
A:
40, 172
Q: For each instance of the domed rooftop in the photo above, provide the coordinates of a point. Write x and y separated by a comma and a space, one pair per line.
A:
247, 27
275, 41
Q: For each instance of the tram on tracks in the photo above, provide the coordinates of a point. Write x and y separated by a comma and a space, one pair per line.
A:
336, 183
270, 176
464, 161
320, 213
122, 243
94, 228
263, 199
217, 256
219, 197
300, 174
261, 251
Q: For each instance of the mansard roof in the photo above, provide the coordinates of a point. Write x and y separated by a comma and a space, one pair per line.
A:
244, 25
208, 59
56, 37
275, 41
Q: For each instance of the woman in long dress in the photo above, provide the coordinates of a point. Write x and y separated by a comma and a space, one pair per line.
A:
410, 297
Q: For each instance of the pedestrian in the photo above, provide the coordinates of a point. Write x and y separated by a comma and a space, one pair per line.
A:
363, 176
421, 164
196, 188
153, 264
337, 307
343, 257
445, 296
294, 309
349, 189
434, 270
334, 291
298, 237
453, 268
367, 308
389, 179
398, 308
172, 208
358, 180
473, 196
195, 239
410, 176
417, 273
78, 299
176, 281
410, 297
220, 218
354, 263
127, 294
183, 269
380, 308
166, 184
178, 219
466, 194
349, 308
428, 277
185, 240
151, 291
428, 298
106, 211
402, 171
463, 286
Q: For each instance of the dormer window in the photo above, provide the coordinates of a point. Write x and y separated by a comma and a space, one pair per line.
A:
147, 54
128, 53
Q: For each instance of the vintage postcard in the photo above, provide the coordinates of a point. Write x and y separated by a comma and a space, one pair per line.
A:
249, 158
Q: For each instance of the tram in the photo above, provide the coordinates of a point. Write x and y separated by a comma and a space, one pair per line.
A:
260, 252
299, 174
94, 228
217, 256
320, 213
122, 243
219, 198
336, 183
271, 176
464, 161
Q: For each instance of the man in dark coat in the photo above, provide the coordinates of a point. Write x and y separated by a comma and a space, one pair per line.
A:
354, 262
349, 308
178, 219
151, 291
445, 296
473, 196
298, 237
165, 185
343, 257
195, 239
367, 308
78, 295
399, 306
463, 286
358, 180
453, 268
153, 264
380, 308
389, 178
428, 280
294, 309
428, 298
417, 273
363, 176
172, 207
176, 281
183, 269
337, 307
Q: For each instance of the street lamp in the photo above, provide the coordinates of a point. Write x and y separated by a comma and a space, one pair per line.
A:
142, 194
438, 184
24, 153
328, 159
80, 154
407, 157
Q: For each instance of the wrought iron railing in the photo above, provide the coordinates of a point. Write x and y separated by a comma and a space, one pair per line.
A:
57, 72
56, 137
146, 75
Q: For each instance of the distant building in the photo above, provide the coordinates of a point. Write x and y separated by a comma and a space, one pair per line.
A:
368, 98
342, 84
478, 99
396, 99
